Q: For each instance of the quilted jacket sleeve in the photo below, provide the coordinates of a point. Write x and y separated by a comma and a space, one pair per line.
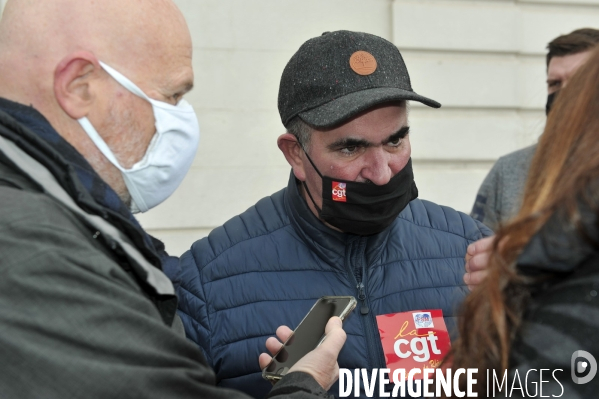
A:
193, 308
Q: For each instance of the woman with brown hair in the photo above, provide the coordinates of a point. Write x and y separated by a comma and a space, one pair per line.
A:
540, 301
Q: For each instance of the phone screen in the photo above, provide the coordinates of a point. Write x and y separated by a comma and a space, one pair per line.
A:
309, 333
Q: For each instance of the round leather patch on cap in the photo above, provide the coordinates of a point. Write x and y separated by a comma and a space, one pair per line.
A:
363, 63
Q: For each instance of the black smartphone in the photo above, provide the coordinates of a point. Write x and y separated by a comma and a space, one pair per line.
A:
308, 334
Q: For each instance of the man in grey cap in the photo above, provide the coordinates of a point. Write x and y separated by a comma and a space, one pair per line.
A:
348, 222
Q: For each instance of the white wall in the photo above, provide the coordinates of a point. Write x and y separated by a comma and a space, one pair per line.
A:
482, 59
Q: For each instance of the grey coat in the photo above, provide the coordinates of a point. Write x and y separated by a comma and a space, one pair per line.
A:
80, 315
500, 195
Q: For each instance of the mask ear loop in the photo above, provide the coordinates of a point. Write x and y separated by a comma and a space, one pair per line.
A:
310, 159
306, 186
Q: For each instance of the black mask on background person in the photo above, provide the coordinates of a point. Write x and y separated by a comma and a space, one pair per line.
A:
364, 208
550, 99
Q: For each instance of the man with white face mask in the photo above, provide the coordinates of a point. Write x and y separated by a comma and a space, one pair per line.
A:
168, 157
93, 126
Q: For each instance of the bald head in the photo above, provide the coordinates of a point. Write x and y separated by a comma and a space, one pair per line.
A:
35, 35
50, 53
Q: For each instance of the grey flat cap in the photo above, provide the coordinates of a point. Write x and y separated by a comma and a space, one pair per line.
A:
333, 77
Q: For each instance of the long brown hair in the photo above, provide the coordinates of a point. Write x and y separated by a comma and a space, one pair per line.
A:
564, 169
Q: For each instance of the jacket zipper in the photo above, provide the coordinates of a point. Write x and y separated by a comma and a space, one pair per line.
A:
359, 274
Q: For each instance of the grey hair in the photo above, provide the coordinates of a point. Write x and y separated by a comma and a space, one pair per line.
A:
301, 130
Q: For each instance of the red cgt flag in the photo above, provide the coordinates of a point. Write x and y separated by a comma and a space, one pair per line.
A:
415, 339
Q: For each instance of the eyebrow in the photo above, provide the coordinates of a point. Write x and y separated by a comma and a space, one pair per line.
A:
400, 134
351, 142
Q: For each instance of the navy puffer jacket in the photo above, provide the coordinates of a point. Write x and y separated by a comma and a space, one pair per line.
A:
267, 266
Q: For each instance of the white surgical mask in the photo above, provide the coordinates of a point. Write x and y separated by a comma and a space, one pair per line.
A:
168, 157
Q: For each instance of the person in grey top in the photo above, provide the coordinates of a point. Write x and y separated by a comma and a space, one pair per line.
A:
500, 194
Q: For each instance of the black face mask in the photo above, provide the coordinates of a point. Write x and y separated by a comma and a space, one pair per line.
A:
364, 208
550, 99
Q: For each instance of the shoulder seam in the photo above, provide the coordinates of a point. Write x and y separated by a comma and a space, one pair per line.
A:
232, 244
443, 208
216, 256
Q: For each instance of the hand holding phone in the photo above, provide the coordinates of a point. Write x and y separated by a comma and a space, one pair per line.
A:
321, 363
308, 335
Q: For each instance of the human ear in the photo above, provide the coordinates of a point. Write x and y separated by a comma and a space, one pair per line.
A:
292, 150
74, 79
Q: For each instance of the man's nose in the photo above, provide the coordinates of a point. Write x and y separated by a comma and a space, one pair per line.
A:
377, 168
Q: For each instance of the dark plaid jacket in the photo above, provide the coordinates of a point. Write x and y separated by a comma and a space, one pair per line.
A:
562, 314
77, 319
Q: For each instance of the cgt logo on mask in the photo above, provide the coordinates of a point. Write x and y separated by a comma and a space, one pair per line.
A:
339, 192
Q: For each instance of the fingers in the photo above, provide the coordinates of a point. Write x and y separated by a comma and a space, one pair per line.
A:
321, 363
273, 345
478, 262
477, 253
333, 323
476, 269
482, 245
283, 333
475, 278
335, 336
264, 359
467, 257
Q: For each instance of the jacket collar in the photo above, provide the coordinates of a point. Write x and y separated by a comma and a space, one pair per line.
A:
330, 245
27, 128
560, 246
